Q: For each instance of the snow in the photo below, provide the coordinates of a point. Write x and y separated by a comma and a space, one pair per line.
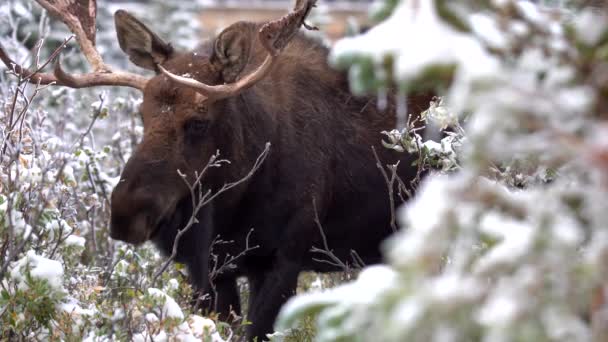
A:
161, 336
441, 116
531, 12
75, 240
172, 285
196, 328
500, 310
487, 29
68, 175
74, 308
439, 45
433, 197
57, 226
118, 314
201, 326
452, 289
421, 220
408, 312
515, 240
18, 221
372, 281
316, 285
518, 28
151, 318
40, 268
22, 10
566, 231
170, 308
590, 26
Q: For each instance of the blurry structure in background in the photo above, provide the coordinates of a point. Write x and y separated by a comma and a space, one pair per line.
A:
333, 17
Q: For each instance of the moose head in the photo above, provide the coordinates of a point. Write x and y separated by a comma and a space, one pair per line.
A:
180, 103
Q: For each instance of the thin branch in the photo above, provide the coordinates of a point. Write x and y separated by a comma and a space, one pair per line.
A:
332, 260
390, 183
229, 260
227, 263
207, 197
35, 76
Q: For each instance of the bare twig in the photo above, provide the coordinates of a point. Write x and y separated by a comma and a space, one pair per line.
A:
390, 183
96, 113
229, 260
227, 263
203, 199
24, 78
333, 260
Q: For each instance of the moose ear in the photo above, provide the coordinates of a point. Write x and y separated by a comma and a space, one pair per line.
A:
143, 46
232, 48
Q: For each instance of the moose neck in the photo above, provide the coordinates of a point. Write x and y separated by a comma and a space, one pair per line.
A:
240, 132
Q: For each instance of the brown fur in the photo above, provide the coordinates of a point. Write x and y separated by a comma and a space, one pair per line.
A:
321, 137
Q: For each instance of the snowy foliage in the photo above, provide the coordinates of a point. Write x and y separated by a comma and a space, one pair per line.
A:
61, 151
508, 242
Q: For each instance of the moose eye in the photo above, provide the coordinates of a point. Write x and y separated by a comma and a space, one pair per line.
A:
195, 128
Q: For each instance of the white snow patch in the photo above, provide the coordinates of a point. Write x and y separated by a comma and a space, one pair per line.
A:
487, 29
151, 318
451, 290
172, 285
530, 12
57, 226
75, 240
500, 310
72, 306
118, 314
590, 26
202, 327
373, 281
430, 41
161, 336
566, 231
17, 220
170, 308
516, 239
317, 285
423, 217
40, 268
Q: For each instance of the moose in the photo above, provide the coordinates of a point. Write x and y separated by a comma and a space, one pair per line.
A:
254, 85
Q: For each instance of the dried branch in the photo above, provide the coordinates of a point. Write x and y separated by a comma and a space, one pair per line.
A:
229, 260
205, 198
390, 183
227, 263
332, 260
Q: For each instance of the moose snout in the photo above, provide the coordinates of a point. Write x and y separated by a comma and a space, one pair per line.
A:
135, 215
132, 229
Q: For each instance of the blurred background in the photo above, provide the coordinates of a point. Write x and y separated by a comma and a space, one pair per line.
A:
336, 16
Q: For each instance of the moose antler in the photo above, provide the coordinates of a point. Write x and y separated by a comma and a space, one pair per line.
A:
274, 37
79, 16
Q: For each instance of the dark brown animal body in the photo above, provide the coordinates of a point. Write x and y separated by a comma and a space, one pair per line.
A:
252, 85
320, 137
